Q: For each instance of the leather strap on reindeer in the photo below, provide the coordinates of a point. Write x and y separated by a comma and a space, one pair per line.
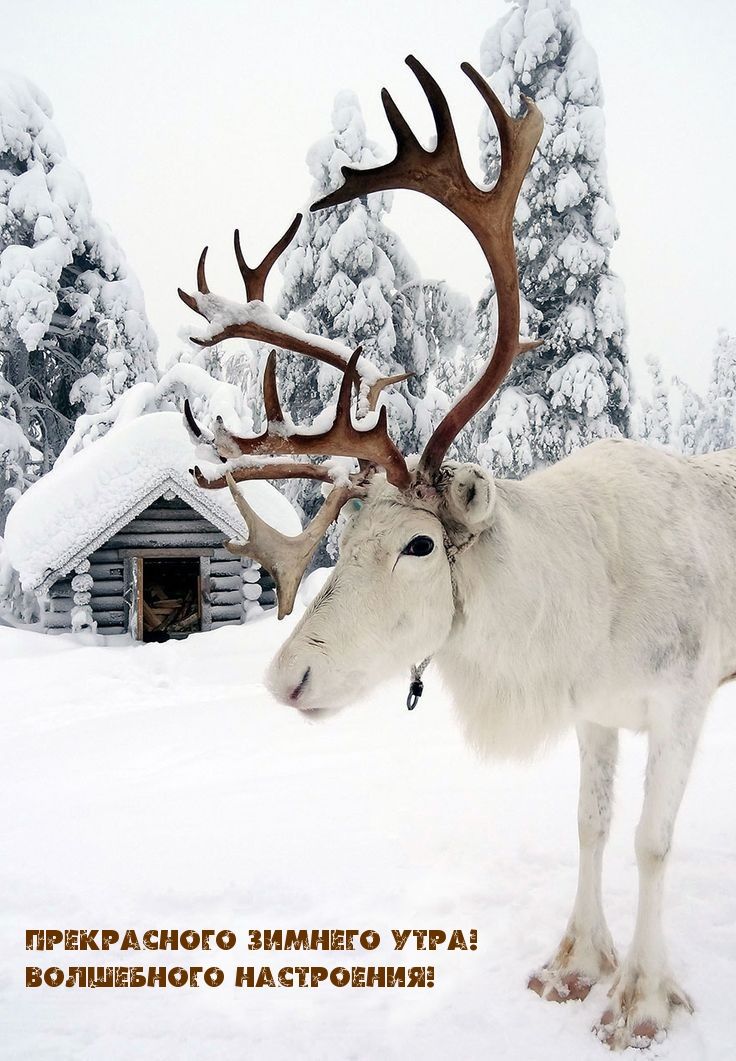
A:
452, 551
361, 432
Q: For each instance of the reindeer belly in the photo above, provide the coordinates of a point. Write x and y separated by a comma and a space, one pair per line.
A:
622, 709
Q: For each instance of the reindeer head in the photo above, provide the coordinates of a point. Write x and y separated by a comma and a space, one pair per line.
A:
390, 599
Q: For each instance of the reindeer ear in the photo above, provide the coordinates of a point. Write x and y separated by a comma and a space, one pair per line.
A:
469, 493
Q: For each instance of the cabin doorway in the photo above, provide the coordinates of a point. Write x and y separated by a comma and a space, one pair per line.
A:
170, 597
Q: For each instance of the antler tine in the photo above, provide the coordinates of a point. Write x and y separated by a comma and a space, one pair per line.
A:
194, 429
375, 389
446, 135
518, 137
405, 139
255, 279
285, 558
190, 300
201, 278
272, 470
271, 402
345, 393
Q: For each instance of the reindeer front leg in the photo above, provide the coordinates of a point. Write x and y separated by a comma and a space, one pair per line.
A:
644, 992
586, 952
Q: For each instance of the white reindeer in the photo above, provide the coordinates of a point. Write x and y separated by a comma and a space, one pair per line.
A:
598, 593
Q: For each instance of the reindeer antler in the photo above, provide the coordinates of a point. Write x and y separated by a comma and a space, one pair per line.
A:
488, 213
287, 558
284, 557
255, 279
255, 321
371, 445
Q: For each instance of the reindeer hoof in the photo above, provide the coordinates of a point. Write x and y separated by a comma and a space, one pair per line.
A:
618, 1034
555, 987
581, 960
640, 1011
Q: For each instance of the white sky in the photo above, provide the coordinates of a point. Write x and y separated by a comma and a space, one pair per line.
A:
189, 119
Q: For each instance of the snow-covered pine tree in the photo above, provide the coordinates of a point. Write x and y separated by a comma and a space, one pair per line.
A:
575, 388
16, 454
689, 418
717, 428
73, 328
348, 276
656, 425
239, 363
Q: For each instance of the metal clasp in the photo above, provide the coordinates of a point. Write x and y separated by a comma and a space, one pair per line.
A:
415, 691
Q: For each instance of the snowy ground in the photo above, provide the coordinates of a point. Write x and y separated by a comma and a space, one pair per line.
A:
155, 786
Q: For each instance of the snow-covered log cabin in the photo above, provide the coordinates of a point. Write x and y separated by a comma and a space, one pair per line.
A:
120, 539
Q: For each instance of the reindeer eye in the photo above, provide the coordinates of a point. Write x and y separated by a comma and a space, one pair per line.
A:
422, 545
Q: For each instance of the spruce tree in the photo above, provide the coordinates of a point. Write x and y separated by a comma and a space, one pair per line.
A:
574, 388
73, 328
657, 417
689, 419
717, 428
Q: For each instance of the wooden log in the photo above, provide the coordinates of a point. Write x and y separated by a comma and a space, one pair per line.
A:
228, 597
164, 514
105, 604
223, 568
188, 528
103, 572
221, 583
61, 605
166, 552
226, 622
251, 591
57, 621
60, 590
226, 611
267, 598
110, 618
129, 540
106, 555
107, 587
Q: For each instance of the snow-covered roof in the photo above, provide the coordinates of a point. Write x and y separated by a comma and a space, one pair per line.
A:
86, 499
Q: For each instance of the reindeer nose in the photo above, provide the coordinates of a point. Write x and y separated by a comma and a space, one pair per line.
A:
297, 691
